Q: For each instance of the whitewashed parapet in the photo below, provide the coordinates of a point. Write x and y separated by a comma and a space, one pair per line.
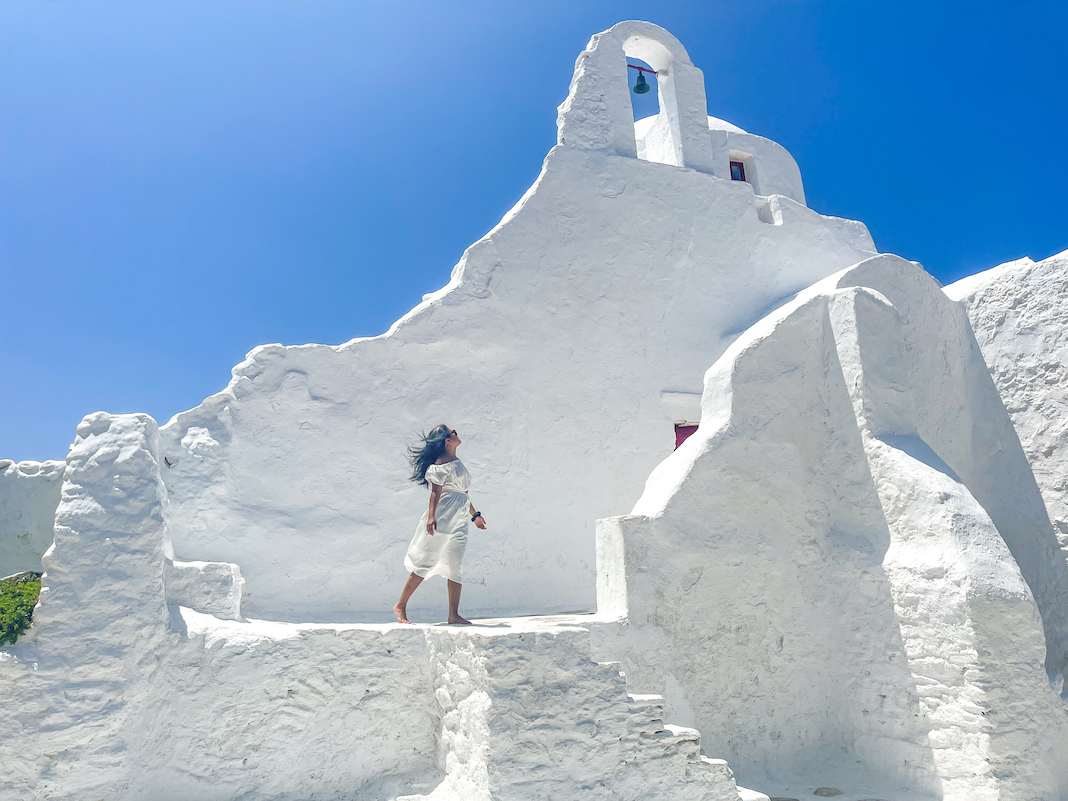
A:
29, 495
214, 588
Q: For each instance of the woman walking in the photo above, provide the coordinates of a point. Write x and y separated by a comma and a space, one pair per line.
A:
437, 549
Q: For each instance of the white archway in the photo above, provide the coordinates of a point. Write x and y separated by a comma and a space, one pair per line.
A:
662, 140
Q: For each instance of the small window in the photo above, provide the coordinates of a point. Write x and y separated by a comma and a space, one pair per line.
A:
737, 171
682, 433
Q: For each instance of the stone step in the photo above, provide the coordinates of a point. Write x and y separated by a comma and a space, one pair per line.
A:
529, 714
647, 699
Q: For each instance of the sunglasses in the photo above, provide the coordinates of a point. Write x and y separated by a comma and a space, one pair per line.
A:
453, 433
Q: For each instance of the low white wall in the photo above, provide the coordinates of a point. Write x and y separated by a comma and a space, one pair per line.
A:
257, 710
29, 495
113, 695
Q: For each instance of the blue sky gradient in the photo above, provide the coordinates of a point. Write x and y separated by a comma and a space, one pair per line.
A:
182, 181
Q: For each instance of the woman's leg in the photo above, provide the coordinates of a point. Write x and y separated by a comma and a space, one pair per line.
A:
454, 603
401, 609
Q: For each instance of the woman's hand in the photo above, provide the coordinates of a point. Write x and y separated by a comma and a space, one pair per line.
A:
431, 513
480, 521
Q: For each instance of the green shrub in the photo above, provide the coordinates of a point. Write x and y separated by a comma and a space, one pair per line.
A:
18, 595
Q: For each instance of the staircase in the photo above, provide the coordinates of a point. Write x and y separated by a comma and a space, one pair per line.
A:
526, 714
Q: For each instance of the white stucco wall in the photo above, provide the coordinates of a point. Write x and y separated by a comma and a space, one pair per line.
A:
29, 495
825, 579
1019, 312
613, 281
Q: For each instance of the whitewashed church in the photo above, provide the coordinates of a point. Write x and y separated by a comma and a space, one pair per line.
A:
773, 515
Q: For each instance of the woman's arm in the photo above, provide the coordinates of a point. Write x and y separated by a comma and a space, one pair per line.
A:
480, 521
435, 496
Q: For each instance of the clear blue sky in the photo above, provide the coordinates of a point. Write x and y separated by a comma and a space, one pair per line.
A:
181, 181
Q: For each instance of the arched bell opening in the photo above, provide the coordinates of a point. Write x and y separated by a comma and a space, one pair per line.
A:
644, 89
657, 135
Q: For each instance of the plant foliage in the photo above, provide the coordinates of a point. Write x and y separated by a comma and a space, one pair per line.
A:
18, 596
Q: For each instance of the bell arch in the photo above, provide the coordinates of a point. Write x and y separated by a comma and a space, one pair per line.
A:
597, 113
663, 143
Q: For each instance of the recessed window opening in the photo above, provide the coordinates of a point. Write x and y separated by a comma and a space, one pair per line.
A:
683, 431
744, 168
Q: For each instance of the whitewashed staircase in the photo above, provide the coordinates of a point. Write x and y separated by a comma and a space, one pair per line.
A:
526, 715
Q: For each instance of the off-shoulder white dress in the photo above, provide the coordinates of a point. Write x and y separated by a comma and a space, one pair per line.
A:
442, 554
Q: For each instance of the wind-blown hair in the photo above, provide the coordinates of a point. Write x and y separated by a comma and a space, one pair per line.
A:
427, 452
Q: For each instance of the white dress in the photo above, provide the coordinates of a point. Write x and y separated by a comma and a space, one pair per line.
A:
442, 553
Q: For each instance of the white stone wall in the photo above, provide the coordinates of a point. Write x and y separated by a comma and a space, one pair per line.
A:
613, 281
825, 579
29, 495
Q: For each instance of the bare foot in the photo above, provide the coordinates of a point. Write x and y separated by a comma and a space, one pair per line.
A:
459, 621
401, 613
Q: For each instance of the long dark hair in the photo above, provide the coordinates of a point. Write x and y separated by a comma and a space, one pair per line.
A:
427, 452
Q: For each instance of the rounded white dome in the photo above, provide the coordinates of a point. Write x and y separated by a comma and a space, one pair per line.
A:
716, 124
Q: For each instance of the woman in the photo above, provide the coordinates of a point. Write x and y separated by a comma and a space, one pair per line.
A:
437, 549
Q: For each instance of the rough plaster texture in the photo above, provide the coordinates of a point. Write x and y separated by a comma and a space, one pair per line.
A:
612, 281
826, 575
526, 714
214, 588
507, 710
1019, 312
29, 495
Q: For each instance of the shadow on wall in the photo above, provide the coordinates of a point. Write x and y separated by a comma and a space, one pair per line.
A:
761, 588
957, 410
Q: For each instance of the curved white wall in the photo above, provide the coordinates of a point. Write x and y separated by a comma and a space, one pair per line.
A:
769, 167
